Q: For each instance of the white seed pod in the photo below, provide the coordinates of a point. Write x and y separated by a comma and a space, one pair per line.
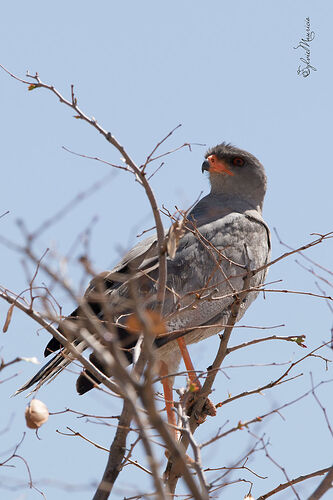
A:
36, 414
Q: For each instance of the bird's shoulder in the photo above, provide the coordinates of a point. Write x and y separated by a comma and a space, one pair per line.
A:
230, 229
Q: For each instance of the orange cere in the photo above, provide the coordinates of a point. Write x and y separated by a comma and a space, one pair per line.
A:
218, 166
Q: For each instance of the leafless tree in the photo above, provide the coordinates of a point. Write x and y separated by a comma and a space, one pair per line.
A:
141, 408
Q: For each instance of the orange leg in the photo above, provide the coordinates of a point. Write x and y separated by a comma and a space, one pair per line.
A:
168, 396
188, 362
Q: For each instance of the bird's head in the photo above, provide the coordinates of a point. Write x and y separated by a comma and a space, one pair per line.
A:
235, 172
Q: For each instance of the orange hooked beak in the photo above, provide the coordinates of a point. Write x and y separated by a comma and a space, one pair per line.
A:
218, 166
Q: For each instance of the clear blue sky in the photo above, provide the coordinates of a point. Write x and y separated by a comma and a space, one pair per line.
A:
227, 71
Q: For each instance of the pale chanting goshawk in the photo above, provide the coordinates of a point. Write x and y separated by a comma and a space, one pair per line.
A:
225, 237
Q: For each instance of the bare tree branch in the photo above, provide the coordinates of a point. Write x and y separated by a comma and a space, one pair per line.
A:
325, 485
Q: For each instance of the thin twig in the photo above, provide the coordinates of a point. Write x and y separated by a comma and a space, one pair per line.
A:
298, 339
299, 479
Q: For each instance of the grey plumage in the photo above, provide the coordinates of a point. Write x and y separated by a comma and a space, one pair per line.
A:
226, 236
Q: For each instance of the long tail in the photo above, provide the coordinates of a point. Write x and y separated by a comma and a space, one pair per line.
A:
51, 369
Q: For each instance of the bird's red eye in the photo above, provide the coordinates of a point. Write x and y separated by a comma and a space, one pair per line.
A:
238, 162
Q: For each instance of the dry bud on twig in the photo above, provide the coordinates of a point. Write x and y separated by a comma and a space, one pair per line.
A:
176, 232
8, 318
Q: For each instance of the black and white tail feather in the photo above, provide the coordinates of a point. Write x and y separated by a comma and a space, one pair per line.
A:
51, 369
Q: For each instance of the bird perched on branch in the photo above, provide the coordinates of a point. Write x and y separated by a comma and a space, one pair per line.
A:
222, 242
